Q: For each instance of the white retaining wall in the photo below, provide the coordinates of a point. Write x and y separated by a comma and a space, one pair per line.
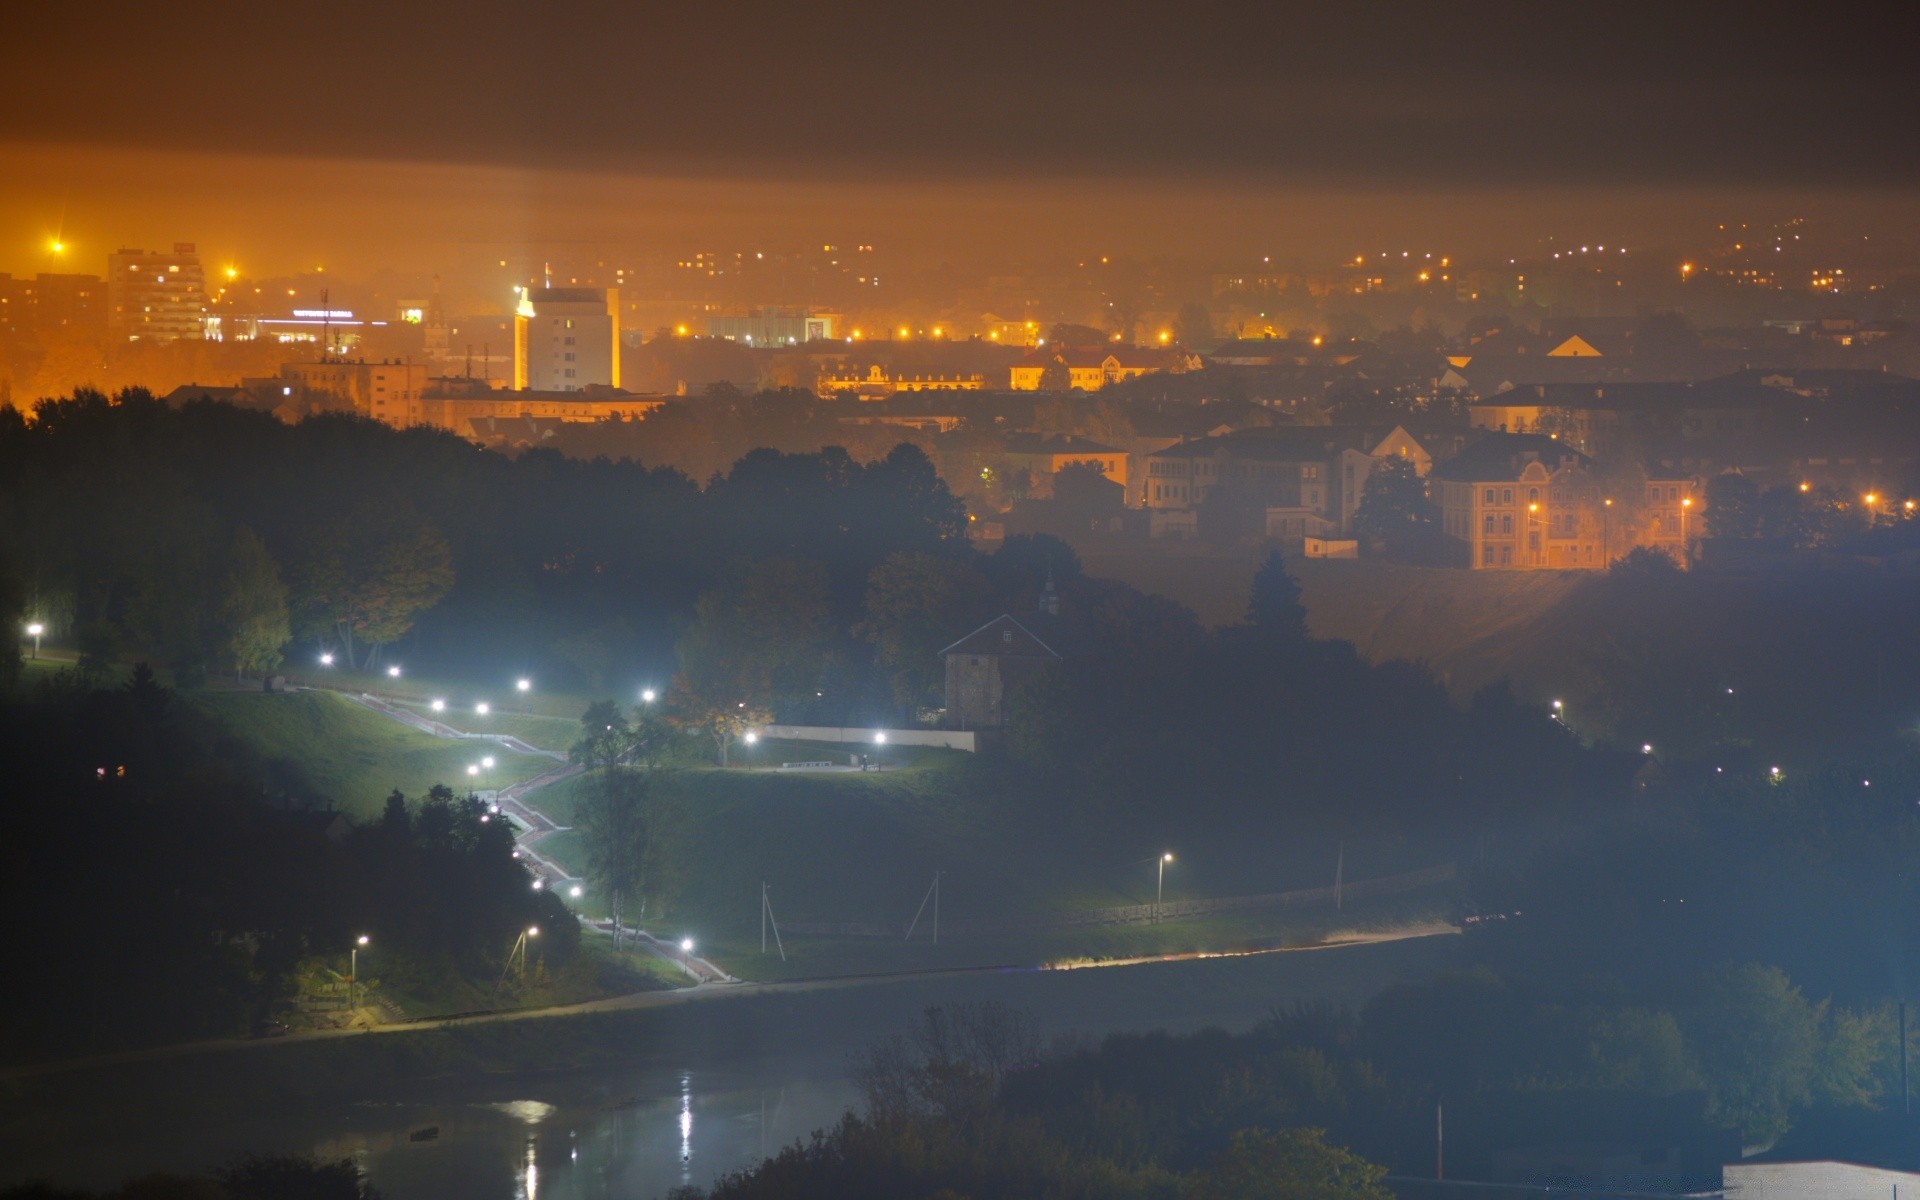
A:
952, 739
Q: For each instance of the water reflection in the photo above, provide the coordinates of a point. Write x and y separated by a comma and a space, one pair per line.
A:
592, 1147
686, 1127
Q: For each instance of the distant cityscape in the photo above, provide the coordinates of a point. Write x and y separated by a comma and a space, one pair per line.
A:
1562, 409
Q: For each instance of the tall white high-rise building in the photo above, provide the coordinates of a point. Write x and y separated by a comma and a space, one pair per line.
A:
153, 296
566, 339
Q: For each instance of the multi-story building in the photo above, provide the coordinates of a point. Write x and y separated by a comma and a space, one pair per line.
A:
1089, 370
388, 392
1043, 456
566, 339
774, 327
156, 296
878, 382
1529, 501
65, 307
1286, 466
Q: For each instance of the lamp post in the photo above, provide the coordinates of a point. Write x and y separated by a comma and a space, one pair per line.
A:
1160, 884
524, 687
34, 631
1686, 502
353, 969
1606, 532
750, 738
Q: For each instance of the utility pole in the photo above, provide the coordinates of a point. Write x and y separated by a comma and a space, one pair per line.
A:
1339, 870
1906, 1097
768, 919
933, 897
1439, 1138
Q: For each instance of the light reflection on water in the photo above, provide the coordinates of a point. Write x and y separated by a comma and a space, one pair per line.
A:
630, 1149
760, 1072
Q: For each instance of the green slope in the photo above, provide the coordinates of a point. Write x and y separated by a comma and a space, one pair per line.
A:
319, 746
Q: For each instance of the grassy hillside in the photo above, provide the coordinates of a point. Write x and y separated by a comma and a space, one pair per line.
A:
862, 848
321, 746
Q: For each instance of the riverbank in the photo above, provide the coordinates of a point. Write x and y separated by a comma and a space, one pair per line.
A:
199, 1108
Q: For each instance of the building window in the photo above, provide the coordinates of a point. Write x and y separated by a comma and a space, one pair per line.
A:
1506, 523
1506, 495
1488, 498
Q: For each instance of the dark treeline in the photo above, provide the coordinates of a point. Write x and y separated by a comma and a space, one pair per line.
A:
157, 895
1322, 1102
208, 538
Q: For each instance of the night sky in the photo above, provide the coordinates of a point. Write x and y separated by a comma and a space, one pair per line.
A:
1239, 101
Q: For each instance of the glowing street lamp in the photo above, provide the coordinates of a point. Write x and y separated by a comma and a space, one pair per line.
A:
353, 971
326, 660
482, 708
648, 695
393, 672
1160, 884
880, 739
439, 705
34, 631
686, 945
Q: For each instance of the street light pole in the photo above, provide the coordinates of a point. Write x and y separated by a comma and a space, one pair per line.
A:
353, 969
34, 631
1160, 886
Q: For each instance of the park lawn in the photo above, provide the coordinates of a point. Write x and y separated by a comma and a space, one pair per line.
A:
815, 956
461, 694
322, 747
597, 972
862, 848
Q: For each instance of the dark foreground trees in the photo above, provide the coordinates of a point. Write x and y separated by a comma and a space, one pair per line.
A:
160, 895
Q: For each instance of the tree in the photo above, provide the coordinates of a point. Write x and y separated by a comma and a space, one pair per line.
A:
1194, 325
1275, 601
605, 736
1759, 1043
1733, 507
760, 639
1055, 377
1287, 1164
1394, 509
916, 605
1068, 336
252, 607
634, 829
370, 572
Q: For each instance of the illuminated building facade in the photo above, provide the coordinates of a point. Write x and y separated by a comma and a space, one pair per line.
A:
156, 296
566, 339
1520, 501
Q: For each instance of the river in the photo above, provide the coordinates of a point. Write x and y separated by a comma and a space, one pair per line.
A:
699, 1089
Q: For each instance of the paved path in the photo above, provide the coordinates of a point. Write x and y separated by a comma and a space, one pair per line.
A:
536, 826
